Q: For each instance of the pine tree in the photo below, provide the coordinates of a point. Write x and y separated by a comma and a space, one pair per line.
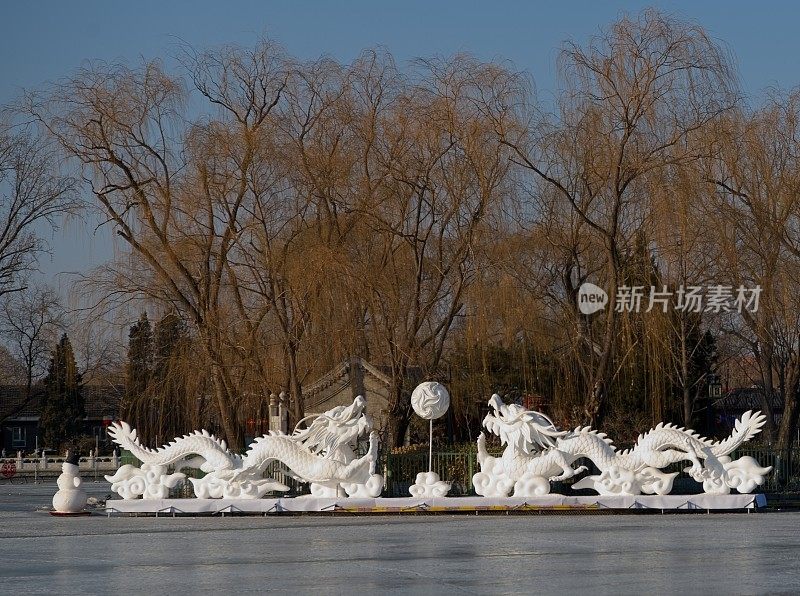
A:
155, 392
63, 409
139, 368
170, 339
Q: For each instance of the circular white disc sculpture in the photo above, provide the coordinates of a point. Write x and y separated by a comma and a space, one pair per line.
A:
430, 400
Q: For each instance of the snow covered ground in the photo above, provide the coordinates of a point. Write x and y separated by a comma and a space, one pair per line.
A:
720, 553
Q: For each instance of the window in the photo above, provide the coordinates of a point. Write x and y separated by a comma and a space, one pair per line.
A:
18, 436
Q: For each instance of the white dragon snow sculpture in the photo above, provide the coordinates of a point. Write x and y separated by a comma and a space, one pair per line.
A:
321, 454
537, 452
333, 435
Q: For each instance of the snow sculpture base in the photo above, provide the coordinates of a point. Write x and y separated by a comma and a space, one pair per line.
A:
446, 505
76, 514
150, 481
372, 488
428, 484
210, 487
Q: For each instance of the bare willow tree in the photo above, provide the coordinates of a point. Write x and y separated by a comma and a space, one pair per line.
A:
633, 99
174, 189
31, 321
757, 187
432, 217
298, 241
33, 196
684, 246
437, 171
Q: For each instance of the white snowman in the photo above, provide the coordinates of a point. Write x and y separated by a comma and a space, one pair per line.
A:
70, 498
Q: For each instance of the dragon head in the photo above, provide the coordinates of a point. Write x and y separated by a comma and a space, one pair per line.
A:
338, 426
358, 406
521, 429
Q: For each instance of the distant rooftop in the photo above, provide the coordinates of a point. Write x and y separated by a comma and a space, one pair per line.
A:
746, 398
100, 401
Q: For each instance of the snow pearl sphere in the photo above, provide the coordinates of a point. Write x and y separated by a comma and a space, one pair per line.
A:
430, 400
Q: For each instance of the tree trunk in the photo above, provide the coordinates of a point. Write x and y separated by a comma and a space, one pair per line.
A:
399, 416
688, 406
767, 393
788, 427
295, 386
598, 392
688, 401
234, 433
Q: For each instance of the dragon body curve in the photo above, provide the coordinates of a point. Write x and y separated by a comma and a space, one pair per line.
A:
305, 463
321, 455
272, 447
214, 451
528, 470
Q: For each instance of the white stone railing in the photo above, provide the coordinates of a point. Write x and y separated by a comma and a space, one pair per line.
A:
51, 463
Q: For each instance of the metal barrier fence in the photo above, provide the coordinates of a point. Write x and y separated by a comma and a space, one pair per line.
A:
785, 475
459, 467
456, 467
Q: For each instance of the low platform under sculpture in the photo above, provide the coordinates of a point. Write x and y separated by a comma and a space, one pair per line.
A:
536, 453
321, 454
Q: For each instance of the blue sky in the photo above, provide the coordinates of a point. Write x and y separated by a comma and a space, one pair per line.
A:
42, 41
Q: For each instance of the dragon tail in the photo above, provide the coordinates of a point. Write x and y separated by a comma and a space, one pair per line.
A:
746, 427
200, 442
125, 436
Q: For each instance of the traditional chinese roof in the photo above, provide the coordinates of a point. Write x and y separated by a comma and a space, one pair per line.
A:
103, 401
341, 376
15, 404
742, 399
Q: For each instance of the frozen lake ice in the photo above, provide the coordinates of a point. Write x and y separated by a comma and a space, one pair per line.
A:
610, 554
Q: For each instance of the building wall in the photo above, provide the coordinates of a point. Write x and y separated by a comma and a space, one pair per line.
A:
29, 430
19, 429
